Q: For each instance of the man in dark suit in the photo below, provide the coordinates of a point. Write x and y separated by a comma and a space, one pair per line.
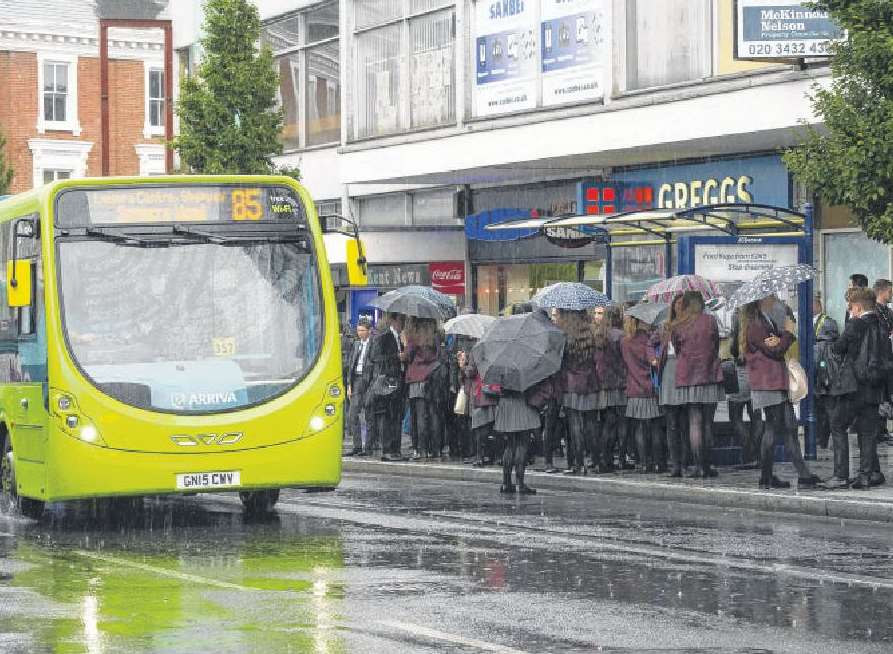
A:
358, 381
384, 400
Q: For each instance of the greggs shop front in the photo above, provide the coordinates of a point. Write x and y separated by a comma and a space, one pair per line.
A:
510, 265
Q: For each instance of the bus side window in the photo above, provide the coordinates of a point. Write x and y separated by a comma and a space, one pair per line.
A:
31, 319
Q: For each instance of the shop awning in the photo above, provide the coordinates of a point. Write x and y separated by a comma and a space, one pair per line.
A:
754, 220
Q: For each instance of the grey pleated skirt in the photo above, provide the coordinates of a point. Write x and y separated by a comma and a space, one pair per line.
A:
416, 390
611, 397
643, 408
743, 394
580, 401
763, 399
513, 414
702, 394
482, 415
669, 394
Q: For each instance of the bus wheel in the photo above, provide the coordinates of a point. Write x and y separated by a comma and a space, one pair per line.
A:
320, 489
257, 502
12, 502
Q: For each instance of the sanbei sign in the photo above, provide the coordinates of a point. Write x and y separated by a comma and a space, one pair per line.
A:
780, 29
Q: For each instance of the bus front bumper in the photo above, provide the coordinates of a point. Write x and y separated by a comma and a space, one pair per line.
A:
78, 470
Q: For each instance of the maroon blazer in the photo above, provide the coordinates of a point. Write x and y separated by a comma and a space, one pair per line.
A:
637, 355
766, 369
697, 352
579, 377
473, 387
609, 362
422, 362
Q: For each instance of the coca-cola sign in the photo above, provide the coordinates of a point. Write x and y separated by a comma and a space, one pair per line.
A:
448, 277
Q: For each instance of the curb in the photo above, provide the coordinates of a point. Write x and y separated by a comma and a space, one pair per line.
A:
819, 504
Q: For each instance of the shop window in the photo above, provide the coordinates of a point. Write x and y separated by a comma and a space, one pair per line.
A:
307, 50
404, 58
667, 41
844, 253
499, 286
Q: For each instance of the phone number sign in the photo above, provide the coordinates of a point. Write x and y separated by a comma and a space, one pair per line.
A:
775, 29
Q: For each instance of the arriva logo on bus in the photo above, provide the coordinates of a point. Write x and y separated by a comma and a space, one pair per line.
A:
700, 192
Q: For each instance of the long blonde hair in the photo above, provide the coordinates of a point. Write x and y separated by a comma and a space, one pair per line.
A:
746, 315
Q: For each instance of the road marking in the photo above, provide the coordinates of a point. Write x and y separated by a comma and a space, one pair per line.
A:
173, 574
434, 634
7, 534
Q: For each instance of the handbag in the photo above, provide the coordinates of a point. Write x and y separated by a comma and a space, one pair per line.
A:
730, 377
384, 385
798, 383
461, 402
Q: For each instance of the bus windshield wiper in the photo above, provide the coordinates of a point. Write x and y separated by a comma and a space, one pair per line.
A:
253, 235
116, 237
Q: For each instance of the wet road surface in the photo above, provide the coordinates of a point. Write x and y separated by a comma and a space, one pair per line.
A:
389, 564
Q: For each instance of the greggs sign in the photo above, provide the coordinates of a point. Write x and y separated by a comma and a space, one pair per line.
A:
448, 277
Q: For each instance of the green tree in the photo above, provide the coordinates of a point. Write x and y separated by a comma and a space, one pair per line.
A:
849, 161
6, 173
229, 122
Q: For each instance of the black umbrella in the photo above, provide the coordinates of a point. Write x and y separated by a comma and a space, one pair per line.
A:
440, 299
520, 351
651, 313
409, 304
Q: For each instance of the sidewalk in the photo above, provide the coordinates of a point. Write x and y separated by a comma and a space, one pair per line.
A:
733, 488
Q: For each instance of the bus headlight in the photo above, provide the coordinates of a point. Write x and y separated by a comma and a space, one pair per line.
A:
334, 390
64, 402
317, 423
71, 422
89, 434
330, 410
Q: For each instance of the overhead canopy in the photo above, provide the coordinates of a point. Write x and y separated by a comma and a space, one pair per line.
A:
730, 219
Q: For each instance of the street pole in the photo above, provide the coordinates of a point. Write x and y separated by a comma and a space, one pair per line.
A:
807, 337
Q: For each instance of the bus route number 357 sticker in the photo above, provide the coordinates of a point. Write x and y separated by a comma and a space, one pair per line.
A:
224, 346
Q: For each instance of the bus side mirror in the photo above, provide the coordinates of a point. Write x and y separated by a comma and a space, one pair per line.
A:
356, 263
18, 283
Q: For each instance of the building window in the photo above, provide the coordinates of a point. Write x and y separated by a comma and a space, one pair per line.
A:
667, 41
53, 175
404, 59
57, 93
307, 51
434, 207
156, 97
383, 210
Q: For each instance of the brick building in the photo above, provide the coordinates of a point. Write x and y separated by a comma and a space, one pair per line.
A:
50, 100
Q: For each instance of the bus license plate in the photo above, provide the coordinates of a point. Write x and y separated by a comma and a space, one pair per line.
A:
194, 480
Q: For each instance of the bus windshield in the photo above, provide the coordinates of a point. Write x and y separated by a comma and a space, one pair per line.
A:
194, 326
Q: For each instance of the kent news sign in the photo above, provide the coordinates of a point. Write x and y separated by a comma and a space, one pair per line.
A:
776, 29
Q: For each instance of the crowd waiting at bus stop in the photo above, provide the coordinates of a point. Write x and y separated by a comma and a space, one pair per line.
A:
573, 376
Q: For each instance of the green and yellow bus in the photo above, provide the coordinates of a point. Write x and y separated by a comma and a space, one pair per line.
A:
167, 335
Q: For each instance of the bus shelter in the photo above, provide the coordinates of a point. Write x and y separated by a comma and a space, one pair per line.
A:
727, 243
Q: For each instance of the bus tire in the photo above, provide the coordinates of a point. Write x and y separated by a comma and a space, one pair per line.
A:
320, 489
12, 501
259, 502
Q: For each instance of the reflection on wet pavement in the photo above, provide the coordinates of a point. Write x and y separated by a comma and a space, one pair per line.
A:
401, 565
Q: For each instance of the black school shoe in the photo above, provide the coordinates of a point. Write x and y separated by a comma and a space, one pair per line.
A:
860, 483
809, 482
506, 489
526, 490
876, 479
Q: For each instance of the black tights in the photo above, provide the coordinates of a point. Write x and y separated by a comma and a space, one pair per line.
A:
778, 422
700, 434
426, 420
677, 439
749, 436
608, 434
580, 427
648, 441
514, 456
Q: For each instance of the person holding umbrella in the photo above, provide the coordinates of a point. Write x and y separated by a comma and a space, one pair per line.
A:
384, 399
764, 344
517, 358
422, 360
695, 338
670, 399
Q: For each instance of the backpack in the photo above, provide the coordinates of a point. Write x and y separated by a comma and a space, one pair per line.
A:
875, 361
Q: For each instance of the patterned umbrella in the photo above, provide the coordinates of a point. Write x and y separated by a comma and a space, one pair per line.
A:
520, 351
666, 290
408, 304
651, 313
570, 295
771, 282
440, 299
473, 325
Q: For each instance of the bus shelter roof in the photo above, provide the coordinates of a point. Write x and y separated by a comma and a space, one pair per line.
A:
662, 224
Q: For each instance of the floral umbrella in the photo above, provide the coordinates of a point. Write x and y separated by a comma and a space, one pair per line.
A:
666, 290
771, 282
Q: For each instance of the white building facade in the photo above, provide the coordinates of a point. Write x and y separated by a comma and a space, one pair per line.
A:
426, 119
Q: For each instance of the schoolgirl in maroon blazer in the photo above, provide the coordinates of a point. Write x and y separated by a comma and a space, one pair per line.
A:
642, 409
